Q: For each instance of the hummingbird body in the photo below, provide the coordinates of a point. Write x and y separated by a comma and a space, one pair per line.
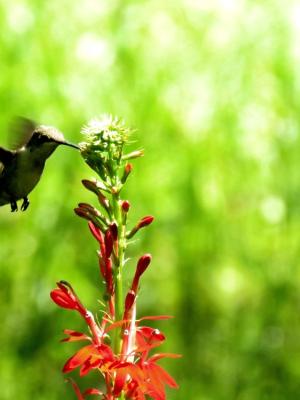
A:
21, 169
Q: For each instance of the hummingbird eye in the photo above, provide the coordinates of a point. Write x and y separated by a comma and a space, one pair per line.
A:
37, 139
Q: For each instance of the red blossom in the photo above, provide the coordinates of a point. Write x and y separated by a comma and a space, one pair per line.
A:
135, 374
89, 357
148, 338
145, 378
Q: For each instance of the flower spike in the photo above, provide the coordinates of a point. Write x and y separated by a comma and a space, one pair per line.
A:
117, 344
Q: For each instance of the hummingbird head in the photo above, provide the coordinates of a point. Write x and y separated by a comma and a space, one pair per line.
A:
45, 139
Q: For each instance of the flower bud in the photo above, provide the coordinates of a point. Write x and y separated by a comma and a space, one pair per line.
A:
81, 213
145, 221
65, 297
108, 240
101, 264
129, 300
127, 169
88, 215
103, 201
125, 206
90, 185
62, 299
143, 264
90, 209
95, 231
141, 224
133, 154
114, 231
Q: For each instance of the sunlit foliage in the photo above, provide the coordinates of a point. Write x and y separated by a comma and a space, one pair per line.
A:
213, 89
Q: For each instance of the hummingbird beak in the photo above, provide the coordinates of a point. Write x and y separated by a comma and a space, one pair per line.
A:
70, 144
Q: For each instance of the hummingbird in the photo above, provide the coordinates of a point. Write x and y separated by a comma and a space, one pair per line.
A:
22, 167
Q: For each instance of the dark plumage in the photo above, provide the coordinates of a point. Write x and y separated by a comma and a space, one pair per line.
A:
21, 168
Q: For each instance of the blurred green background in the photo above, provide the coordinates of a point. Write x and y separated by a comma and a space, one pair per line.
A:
213, 88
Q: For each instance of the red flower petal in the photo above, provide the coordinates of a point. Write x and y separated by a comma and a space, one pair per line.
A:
95, 231
158, 356
155, 317
120, 381
116, 324
106, 352
74, 336
101, 352
90, 363
109, 242
114, 230
148, 338
151, 334
90, 391
78, 358
154, 384
163, 376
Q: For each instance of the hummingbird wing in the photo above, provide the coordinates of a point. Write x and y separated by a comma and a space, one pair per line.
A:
6, 157
22, 129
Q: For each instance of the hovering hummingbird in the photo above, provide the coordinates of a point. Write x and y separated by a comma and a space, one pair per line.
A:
21, 168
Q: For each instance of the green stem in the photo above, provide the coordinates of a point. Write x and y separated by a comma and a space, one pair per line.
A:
119, 308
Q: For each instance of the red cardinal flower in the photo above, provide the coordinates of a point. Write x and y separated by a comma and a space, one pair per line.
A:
117, 346
144, 378
89, 357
